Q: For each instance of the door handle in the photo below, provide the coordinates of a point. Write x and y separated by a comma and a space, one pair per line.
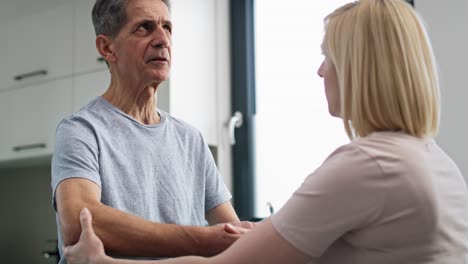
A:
234, 122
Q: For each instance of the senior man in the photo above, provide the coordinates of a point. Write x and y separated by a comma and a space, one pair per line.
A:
148, 178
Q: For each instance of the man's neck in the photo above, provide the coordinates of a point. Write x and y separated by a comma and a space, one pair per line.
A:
138, 102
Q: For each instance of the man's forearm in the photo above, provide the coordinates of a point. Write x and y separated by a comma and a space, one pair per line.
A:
124, 234
183, 260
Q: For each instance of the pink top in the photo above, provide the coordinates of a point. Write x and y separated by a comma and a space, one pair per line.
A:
385, 198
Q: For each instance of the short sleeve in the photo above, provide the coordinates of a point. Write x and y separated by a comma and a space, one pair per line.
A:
216, 191
342, 195
75, 154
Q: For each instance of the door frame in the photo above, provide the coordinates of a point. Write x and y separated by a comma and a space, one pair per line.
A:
243, 100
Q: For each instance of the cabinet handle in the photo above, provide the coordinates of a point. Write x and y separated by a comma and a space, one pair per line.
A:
100, 59
28, 147
30, 74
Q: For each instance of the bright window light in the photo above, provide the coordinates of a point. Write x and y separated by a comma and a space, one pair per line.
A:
294, 131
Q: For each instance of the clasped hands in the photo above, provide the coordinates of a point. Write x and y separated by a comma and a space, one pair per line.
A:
90, 250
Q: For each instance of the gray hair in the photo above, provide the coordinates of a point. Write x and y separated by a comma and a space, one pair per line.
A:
109, 16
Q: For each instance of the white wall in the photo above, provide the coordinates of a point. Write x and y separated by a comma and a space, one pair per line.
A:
447, 25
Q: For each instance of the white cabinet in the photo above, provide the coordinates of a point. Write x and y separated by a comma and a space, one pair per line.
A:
55, 39
85, 55
193, 85
30, 116
86, 87
36, 45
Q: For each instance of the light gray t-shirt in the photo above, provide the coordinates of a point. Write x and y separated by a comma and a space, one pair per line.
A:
387, 198
162, 173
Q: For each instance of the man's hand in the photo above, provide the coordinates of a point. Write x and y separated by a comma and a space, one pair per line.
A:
89, 248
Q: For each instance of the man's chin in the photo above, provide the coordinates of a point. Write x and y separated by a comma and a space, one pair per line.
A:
159, 76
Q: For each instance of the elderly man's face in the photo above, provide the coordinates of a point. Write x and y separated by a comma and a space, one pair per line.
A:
143, 46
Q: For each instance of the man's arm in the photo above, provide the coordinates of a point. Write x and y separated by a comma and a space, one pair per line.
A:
261, 245
222, 213
124, 234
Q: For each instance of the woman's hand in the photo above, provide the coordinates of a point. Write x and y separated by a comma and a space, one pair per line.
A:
89, 249
239, 227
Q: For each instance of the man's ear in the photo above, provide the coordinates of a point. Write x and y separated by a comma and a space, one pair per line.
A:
105, 47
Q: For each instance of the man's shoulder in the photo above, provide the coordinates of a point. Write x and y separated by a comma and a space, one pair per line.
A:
180, 124
85, 117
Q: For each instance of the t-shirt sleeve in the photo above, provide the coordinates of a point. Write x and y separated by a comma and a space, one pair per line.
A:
216, 191
342, 195
75, 154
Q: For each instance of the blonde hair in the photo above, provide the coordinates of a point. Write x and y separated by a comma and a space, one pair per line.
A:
385, 68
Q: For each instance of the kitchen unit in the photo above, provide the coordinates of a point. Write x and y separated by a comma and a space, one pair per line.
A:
54, 69
50, 68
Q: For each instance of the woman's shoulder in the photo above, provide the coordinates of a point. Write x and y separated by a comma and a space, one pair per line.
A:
374, 154
391, 141
394, 147
386, 154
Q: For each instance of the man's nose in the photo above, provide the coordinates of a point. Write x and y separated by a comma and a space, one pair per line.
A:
160, 37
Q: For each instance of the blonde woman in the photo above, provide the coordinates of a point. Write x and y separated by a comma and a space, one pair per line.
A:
391, 195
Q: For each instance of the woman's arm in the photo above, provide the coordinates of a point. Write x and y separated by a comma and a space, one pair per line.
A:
261, 245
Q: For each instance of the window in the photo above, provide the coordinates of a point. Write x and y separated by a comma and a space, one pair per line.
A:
294, 132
